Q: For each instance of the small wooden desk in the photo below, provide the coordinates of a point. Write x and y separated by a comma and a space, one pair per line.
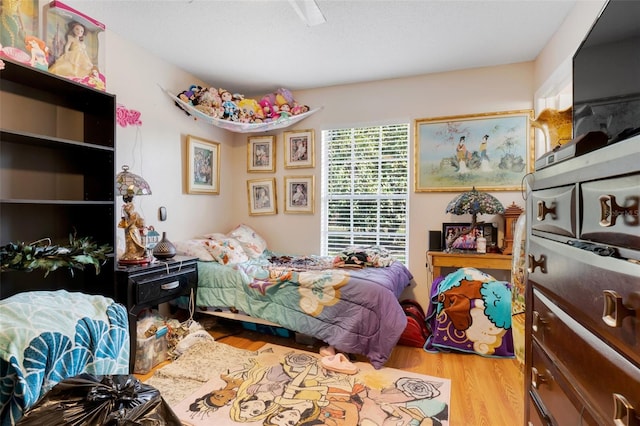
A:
440, 259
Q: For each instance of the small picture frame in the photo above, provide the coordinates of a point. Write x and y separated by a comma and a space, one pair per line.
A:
299, 149
261, 194
298, 194
468, 241
203, 166
261, 154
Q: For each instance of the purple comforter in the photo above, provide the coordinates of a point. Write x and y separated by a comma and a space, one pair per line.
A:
354, 310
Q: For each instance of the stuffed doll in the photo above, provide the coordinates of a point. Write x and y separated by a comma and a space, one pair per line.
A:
230, 109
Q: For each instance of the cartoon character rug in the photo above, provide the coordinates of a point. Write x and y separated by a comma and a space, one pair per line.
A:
214, 383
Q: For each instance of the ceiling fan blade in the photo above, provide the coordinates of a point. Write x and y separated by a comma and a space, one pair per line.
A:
308, 11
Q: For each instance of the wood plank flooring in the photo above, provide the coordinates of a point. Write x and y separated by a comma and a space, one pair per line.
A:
485, 391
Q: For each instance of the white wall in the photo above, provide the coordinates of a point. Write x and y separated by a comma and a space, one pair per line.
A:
156, 150
494, 89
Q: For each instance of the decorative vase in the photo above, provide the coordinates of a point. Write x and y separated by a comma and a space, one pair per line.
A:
164, 249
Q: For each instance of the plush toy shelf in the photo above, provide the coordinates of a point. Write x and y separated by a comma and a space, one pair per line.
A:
238, 127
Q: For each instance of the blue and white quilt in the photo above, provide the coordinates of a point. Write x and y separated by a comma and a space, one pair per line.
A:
48, 336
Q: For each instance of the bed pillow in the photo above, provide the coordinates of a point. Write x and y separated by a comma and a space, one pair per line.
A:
215, 236
227, 251
470, 311
252, 243
195, 248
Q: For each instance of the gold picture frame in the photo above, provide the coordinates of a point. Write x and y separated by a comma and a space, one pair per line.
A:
491, 151
261, 154
299, 194
203, 166
299, 149
261, 195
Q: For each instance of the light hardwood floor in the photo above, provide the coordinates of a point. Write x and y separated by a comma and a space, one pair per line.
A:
484, 391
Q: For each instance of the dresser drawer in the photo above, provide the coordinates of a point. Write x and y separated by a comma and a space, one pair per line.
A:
554, 210
593, 289
611, 211
166, 286
536, 416
556, 397
603, 378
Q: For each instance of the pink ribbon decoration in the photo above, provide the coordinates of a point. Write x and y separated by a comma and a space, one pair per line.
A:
126, 117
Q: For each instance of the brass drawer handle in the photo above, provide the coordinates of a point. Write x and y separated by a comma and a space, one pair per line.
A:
615, 310
610, 211
537, 378
543, 210
538, 322
533, 263
623, 412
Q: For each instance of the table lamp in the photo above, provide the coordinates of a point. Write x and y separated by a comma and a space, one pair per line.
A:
472, 202
129, 185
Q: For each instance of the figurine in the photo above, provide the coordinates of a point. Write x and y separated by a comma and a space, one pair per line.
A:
12, 34
74, 62
39, 53
133, 225
95, 80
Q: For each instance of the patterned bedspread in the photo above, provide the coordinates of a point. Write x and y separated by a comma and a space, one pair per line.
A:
355, 310
46, 337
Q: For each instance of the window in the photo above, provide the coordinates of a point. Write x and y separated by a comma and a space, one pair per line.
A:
365, 188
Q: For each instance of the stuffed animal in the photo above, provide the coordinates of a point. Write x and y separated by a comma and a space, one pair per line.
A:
188, 96
208, 101
230, 109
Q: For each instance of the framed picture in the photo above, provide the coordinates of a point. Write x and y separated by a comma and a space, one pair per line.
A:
203, 166
488, 230
492, 152
261, 154
261, 194
299, 149
298, 194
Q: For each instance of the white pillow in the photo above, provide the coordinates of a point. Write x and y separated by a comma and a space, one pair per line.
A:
195, 248
227, 251
215, 236
252, 243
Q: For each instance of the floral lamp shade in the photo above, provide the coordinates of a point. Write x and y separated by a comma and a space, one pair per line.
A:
129, 184
474, 203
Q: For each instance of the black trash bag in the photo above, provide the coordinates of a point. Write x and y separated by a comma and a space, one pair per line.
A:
101, 400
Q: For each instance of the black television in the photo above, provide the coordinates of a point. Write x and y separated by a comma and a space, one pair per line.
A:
606, 74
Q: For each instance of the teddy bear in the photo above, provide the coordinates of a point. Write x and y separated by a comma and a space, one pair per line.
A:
208, 101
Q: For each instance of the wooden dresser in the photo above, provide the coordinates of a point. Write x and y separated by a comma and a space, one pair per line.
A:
582, 355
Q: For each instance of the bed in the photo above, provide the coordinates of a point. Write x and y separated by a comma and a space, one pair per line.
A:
349, 301
48, 336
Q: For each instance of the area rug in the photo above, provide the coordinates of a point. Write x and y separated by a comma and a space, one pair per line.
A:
216, 384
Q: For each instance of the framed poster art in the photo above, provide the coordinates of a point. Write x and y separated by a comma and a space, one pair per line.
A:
261, 194
299, 149
298, 194
492, 152
261, 154
203, 166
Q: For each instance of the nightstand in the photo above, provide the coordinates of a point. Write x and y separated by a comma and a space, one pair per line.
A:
144, 286
436, 260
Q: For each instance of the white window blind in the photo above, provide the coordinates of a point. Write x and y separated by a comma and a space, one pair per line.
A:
365, 188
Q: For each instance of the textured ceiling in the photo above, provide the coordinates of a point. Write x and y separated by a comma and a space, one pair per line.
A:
256, 46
